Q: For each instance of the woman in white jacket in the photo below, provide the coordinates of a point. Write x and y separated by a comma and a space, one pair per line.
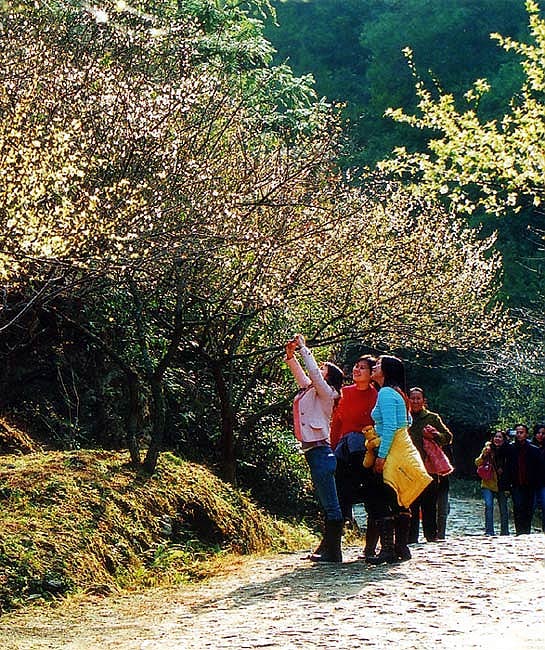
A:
312, 409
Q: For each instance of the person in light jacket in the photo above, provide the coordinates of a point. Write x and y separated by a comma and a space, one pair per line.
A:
312, 409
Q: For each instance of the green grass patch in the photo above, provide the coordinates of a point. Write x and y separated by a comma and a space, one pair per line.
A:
84, 521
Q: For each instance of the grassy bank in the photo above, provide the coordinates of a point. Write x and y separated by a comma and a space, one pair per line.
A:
85, 522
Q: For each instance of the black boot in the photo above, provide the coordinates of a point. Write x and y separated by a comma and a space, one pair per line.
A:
387, 552
402, 524
318, 551
371, 538
332, 539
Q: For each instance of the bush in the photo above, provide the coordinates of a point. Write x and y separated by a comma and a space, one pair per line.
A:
276, 473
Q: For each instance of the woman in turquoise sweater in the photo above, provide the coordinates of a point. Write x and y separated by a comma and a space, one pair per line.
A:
390, 414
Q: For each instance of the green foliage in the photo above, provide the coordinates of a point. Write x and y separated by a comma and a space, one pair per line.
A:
488, 166
354, 50
272, 464
495, 165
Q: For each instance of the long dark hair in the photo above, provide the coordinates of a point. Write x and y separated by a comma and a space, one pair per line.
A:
335, 376
393, 370
498, 455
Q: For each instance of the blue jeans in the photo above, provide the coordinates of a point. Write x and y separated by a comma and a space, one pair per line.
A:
488, 497
322, 463
540, 503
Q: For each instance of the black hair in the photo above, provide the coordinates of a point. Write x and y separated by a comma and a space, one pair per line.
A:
538, 426
369, 359
394, 372
335, 376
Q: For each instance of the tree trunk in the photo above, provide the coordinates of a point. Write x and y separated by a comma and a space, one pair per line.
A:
157, 425
227, 427
133, 419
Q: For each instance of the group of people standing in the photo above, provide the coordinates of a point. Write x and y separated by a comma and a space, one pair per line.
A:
372, 442
515, 468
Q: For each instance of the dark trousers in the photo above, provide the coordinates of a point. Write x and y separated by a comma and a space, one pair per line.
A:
443, 506
427, 504
348, 486
350, 476
380, 499
523, 504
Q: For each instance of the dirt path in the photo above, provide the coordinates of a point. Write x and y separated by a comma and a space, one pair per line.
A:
468, 592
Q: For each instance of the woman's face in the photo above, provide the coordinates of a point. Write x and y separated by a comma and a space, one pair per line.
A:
540, 435
361, 372
377, 373
324, 370
498, 439
416, 401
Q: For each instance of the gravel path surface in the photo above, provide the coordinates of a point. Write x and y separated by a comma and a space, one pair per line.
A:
469, 592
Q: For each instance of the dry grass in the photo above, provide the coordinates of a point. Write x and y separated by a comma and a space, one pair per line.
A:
85, 522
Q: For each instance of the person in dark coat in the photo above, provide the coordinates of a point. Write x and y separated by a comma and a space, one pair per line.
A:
523, 471
539, 441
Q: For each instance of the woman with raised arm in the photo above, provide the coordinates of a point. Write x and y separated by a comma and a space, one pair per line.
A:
312, 409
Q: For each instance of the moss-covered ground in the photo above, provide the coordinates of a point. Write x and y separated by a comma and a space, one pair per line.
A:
85, 521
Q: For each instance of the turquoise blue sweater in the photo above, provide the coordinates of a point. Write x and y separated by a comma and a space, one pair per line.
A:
389, 414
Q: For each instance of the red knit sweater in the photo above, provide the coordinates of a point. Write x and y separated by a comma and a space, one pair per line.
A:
353, 412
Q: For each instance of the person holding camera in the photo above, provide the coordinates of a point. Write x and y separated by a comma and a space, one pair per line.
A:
312, 410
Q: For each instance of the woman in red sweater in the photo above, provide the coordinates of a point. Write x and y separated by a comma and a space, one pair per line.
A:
350, 417
353, 412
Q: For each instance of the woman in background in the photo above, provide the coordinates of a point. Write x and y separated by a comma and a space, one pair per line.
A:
312, 409
495, 452
426, 424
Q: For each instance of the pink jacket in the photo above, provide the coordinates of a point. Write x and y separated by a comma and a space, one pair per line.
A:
316, 403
